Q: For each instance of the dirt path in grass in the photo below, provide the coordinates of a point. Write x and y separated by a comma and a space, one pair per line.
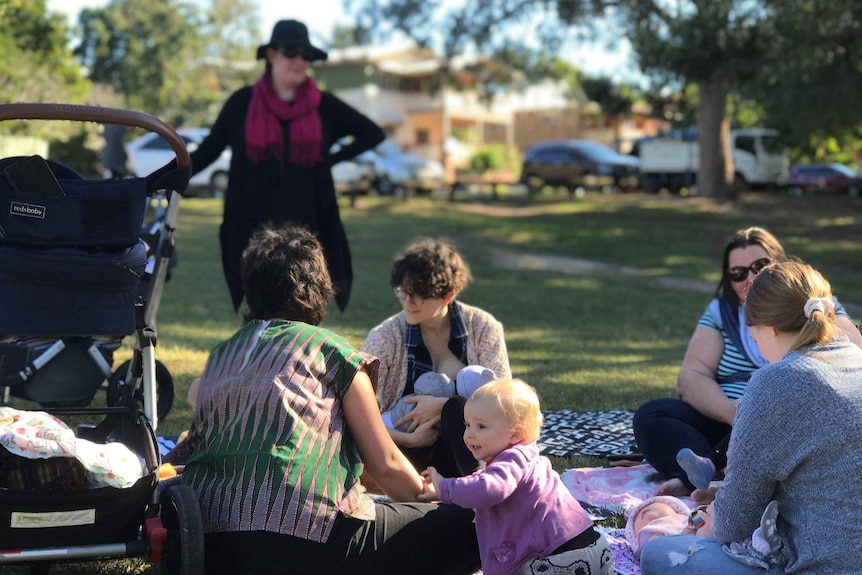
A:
580, 266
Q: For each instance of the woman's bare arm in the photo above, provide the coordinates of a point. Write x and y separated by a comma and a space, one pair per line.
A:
382, 458
851, 330
696, 383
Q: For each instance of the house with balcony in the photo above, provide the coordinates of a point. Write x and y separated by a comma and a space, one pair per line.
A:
402, 88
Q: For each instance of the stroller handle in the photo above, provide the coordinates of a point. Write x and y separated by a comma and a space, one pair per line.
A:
100, 115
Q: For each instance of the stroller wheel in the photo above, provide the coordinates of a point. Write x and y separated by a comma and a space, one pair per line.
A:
164, 389
181, 516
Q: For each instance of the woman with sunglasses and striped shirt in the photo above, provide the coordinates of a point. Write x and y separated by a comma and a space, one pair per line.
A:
280, 131
718, 363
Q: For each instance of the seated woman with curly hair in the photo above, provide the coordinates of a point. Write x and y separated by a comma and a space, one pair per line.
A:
286, 421
434, 332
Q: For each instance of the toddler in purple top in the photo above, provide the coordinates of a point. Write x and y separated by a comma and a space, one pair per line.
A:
527, 522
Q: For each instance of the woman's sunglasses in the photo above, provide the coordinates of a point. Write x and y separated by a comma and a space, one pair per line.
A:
740, 273
306, 55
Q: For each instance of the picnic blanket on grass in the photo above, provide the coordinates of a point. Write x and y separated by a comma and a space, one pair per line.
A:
625, 562
566, 433
609, 491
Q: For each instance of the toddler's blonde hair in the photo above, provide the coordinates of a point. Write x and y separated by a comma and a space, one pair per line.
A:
518, 402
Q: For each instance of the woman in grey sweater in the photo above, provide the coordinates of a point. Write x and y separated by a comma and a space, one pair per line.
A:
796, 439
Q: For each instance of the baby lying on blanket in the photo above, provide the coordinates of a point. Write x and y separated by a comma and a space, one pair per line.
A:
466, 381
665, 515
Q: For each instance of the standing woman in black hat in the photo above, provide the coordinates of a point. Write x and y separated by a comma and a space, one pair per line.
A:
280, 130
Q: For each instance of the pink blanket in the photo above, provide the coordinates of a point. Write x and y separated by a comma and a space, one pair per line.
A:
617, 489
614, 488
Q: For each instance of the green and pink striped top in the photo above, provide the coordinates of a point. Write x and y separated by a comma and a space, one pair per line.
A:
272, 451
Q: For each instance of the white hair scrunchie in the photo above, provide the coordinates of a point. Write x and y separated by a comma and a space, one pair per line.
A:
821, 304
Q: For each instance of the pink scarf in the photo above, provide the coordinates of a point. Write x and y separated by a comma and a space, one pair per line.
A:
263, 135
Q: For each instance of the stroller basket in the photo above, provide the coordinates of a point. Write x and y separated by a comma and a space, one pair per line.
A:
90, 517
75, 516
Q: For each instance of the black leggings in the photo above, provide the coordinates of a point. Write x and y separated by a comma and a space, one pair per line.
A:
449, 455
415, 538
718, 455
664, 426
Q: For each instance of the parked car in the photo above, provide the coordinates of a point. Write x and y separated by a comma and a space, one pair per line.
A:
394, 168
352, 177
578, 165
808, 178
150, 152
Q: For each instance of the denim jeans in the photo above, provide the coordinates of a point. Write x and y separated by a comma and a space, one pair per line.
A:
693, 555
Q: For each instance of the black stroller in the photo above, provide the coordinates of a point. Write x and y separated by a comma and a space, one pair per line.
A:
75, 279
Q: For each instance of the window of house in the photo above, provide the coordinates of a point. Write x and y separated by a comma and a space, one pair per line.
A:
422, 137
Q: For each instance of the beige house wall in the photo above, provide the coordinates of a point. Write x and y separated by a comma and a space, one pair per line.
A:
534, 126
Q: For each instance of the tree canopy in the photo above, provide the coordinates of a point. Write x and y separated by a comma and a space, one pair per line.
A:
721, 47
170, 58
175, 59
37, 64
810, 85
142, 50
795, 65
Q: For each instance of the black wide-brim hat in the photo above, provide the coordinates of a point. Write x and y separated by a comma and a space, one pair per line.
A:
291, 34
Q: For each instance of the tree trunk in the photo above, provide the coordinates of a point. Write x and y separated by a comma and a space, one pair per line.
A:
715, 175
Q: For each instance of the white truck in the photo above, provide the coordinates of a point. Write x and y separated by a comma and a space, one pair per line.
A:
672, 161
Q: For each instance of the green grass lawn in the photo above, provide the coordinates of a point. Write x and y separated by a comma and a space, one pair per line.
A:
586, 341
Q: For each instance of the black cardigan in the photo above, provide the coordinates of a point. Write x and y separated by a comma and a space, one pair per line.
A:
259, 193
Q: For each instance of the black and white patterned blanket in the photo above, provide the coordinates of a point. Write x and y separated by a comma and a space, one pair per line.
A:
566, 433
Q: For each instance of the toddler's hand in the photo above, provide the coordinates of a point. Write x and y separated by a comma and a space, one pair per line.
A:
429, 493
429, 474
432, 485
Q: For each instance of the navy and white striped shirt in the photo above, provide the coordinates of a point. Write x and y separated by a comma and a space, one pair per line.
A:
734, 361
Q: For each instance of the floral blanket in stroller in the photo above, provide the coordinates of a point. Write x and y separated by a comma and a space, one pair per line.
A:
37, 435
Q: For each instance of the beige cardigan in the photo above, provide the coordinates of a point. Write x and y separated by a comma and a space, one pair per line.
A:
485, 346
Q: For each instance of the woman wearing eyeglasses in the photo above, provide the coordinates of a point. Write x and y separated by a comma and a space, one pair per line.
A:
718, 363
433, 332
285, 423
280, 131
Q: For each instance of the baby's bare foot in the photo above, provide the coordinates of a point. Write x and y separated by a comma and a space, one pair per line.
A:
673, 487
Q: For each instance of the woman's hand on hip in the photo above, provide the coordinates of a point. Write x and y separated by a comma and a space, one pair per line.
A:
426, 408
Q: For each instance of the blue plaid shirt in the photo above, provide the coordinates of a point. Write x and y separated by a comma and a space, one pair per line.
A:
418, 356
